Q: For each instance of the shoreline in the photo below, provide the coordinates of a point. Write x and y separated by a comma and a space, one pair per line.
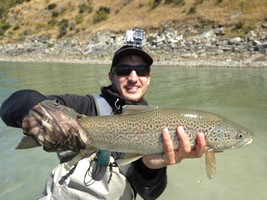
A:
259, 61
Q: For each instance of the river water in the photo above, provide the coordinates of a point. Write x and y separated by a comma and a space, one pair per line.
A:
238, 94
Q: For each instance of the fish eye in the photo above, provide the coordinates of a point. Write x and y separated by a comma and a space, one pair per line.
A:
56, 103
240, 136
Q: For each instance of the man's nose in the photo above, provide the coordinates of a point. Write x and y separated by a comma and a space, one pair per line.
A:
133, 75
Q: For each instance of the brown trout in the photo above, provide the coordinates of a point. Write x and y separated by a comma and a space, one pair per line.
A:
137, 130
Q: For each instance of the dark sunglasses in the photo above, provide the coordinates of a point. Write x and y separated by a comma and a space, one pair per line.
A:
125, 70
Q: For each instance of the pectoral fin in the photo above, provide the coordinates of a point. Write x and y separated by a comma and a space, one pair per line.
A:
27, 142
210, 163
128, 158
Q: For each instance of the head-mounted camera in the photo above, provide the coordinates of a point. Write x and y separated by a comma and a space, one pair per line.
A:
134, 37
132, 46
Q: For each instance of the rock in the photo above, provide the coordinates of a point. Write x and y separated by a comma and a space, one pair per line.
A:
219, 31
264, 23
256, 42
257, 58
253, 34
262, 48
235, 41
208, 35
235, 15
190, 55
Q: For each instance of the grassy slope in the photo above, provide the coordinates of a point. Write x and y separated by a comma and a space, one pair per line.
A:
30, 19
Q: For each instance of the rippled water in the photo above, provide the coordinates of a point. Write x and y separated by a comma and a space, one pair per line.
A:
238, 94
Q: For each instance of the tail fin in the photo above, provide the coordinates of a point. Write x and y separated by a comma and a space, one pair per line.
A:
27, 142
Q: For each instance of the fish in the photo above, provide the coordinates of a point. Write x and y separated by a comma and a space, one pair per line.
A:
136, 132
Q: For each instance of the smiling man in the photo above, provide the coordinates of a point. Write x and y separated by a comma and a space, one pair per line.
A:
130, 77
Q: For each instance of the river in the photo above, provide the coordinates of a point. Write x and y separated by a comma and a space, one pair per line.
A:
237, 94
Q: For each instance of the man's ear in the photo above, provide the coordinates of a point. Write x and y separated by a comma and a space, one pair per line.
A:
111, 76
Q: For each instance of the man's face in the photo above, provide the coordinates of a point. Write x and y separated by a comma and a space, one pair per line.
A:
132, 87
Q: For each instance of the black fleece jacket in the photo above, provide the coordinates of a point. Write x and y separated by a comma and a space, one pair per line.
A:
148, 183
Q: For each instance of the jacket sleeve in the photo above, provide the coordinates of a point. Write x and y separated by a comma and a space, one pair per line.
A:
14, 108
148, 183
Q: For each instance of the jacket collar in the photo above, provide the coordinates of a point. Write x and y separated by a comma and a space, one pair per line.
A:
116, 101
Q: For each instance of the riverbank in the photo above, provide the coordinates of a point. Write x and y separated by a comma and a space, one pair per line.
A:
227, 63
169, 47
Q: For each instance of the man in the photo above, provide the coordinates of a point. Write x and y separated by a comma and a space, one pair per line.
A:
130, 77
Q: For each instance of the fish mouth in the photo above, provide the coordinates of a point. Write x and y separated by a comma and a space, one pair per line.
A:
248, 141
243, 143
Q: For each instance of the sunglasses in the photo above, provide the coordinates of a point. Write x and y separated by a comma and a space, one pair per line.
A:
125, 70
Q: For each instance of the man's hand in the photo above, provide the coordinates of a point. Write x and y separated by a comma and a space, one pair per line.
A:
171, 156
53, 127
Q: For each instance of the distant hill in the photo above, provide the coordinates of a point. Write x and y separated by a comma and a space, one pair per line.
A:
25, 19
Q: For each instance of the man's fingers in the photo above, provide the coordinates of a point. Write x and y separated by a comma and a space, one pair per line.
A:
200, 146
185, 147
172, 156
168, 147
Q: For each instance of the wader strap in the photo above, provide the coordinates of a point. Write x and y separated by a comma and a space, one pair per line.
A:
102, 106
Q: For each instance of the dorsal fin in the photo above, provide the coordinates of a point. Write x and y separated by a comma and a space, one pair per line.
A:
134, 109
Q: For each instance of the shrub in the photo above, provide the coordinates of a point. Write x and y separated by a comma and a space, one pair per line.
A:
126, 2
17, 27
51, 6
104, 9
101, 14
177, 2
155, 4
72, 26
192, 10
39, 26
2, 32
79, 19
85, 8
239, 25
82, 8
3, 27
55, 14
52, 22
63, 25
2, 12
27, 32
197, 2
